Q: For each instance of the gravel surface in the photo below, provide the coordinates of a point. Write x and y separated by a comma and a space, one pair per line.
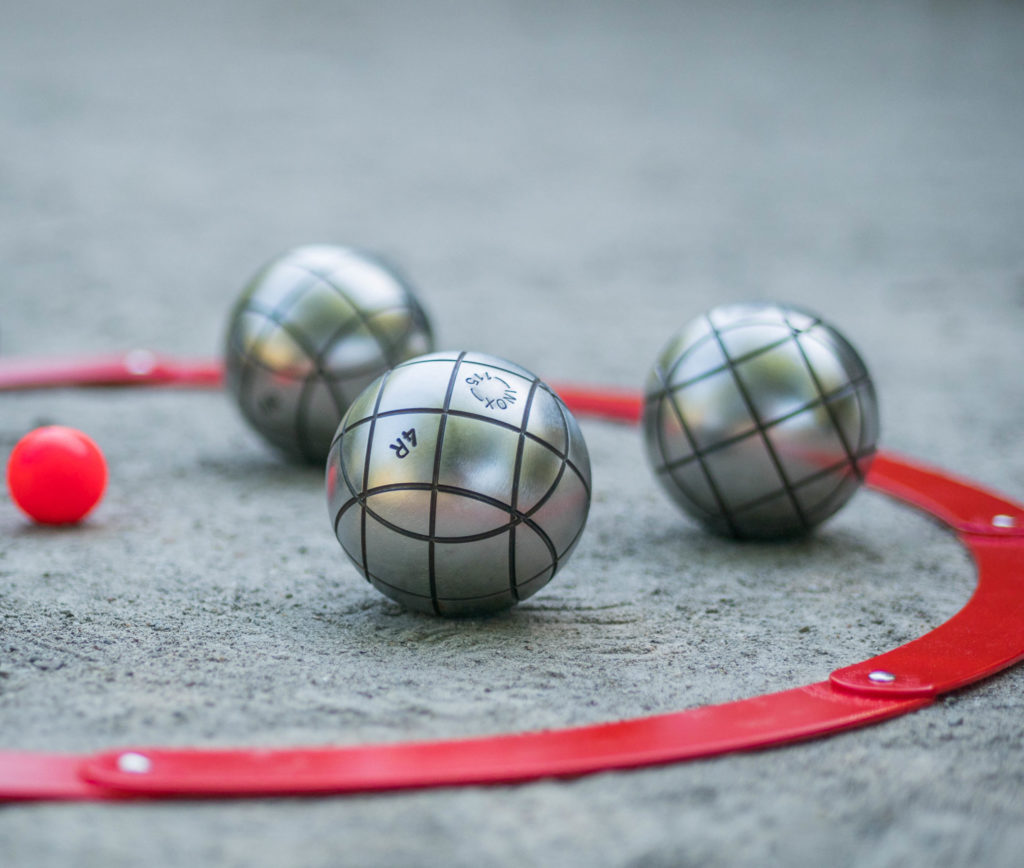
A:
567, 184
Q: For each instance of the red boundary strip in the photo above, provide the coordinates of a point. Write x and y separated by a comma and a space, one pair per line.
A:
986, 636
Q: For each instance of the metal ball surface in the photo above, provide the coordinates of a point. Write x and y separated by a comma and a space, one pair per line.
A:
310, 331
760, 420
458, 483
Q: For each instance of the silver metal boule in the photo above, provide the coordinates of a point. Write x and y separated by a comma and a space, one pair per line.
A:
458, 483
760, 420
310, 331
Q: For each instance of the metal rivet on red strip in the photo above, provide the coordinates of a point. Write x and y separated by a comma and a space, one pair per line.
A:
880, 676
140, 362
134, 763
1004, 521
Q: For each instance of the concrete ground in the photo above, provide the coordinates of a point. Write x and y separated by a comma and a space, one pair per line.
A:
567, 184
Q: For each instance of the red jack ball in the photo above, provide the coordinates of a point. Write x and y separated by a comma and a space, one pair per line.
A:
56, 475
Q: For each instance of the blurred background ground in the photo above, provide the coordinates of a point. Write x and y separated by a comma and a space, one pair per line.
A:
567, 184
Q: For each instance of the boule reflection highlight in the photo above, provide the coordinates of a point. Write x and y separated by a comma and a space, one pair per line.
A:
310, 331
458, 483
760, 420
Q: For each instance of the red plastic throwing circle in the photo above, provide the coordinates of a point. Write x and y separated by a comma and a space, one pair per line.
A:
56, 475
983, 638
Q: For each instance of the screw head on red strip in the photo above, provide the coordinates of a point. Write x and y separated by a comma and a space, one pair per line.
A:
134, 763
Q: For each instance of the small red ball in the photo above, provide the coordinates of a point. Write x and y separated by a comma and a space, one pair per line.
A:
56, 474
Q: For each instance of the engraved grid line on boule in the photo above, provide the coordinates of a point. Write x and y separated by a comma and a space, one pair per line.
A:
442, 356
344, 468
412, 303
847, 389
465, 414
366, 477
738, 360
516, 476
348, 426
301, 421
328, 374
762, 499
373, 577
564, 458
752, 410
697, 454
317, 374
438, 451
517, 518
387, 349
246, 368
854, 464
